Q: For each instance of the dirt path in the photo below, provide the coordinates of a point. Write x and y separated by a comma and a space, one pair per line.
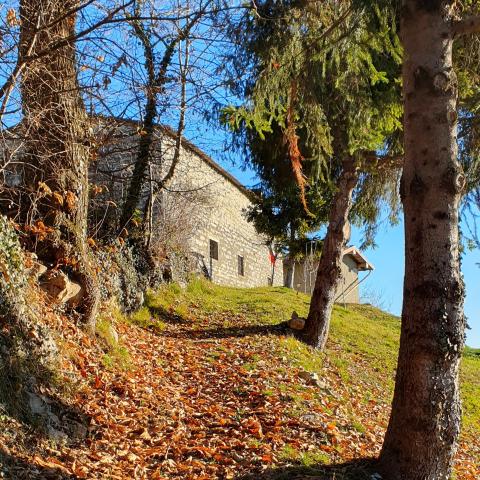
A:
214, 397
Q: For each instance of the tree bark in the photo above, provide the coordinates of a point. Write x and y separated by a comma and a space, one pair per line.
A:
421, 438
141, 164
57, 139
329, 271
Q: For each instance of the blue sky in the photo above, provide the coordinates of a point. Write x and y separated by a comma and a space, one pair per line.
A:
386, 281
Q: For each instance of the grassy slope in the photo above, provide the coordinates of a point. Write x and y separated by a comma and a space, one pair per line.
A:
363, 342
202, 366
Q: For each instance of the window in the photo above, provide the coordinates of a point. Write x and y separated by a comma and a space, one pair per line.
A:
214, 249
241, 270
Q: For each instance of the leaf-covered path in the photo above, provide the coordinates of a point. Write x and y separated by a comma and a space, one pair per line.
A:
212, 396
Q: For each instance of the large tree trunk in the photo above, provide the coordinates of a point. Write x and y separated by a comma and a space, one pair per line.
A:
329, 270
57, 139
422, 434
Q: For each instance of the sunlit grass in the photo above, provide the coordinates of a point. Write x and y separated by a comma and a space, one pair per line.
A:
363, 343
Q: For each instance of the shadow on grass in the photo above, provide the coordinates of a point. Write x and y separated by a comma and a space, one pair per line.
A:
231, 332
362, 469
167, 316
13, 468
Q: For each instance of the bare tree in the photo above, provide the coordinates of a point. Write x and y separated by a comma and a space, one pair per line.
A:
156, 79
156, 188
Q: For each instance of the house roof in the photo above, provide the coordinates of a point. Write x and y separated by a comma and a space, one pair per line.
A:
186, 144
353, 252
359, 258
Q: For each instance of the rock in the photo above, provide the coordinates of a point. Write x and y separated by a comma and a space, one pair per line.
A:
78, 430
312, 418
57, 436
296, 322
312, 379
37, 404
36, 270
60, 288
77, 299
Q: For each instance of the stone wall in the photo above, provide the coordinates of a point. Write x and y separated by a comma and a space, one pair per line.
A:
221, 218
203, 201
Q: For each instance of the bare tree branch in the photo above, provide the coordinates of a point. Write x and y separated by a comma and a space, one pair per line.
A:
79, 35
181, 122
467, 26
7, 87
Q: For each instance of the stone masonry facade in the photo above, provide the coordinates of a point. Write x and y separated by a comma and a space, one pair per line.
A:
201, 194
199, 218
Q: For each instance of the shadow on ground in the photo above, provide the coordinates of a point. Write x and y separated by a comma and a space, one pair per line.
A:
356, 470
169, 317
230, 332
13, 468
31, 405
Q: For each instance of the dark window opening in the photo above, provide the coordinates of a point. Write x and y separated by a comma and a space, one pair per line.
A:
214, 249
241, 270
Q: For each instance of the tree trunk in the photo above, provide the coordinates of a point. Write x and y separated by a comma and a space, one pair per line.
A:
329, 270
57, 139
421, 438
141, 164
156, 83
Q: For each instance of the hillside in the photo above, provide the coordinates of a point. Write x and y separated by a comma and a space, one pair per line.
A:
203, 383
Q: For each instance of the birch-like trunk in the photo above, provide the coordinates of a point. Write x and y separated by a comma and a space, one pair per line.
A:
421, 439
329, 271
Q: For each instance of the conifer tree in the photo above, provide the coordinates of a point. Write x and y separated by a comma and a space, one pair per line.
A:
330, 80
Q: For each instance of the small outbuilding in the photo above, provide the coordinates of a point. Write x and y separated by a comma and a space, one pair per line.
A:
305, 272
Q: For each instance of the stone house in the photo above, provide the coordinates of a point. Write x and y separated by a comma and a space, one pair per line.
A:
199, 215
305, 271
201, 212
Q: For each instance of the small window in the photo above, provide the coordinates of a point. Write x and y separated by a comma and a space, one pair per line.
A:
241, 270
214, 249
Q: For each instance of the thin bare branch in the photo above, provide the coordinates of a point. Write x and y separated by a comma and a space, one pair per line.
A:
467, 26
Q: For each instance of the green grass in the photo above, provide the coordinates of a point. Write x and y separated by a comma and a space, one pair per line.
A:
266, 305
470, 384
117, 355
305, 458
363, 342
145, 318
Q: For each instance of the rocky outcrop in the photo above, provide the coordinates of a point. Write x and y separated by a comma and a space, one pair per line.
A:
60, 288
